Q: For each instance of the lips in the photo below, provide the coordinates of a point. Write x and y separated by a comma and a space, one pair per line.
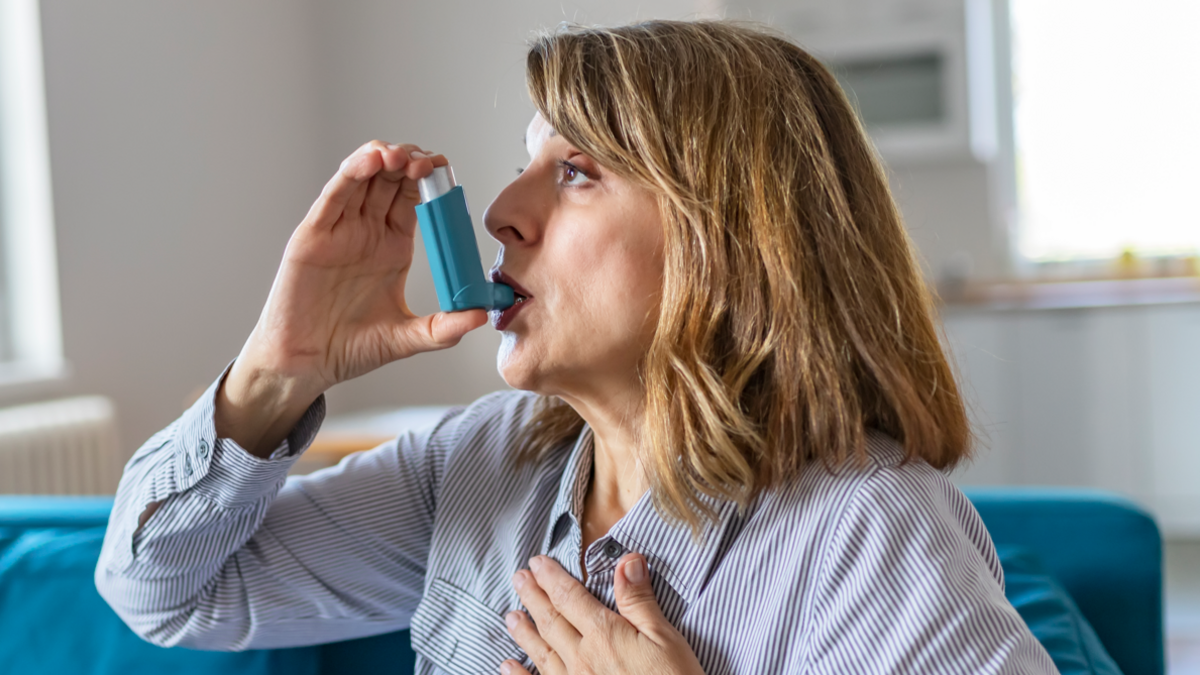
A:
501, 318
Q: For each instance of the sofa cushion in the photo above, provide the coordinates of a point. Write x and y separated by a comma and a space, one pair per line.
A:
1052, 616
53, 620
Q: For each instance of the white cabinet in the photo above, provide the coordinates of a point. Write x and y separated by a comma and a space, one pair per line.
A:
1173, 414
1106, 397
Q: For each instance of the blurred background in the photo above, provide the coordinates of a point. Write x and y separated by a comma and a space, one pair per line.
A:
157, 155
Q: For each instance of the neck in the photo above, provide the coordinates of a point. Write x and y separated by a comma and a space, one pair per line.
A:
617, 478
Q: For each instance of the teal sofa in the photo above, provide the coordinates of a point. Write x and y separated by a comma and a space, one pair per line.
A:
1083, 568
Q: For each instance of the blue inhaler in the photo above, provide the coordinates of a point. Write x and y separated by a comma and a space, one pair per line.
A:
451, 247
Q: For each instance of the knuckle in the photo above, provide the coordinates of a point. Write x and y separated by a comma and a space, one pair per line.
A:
549, 621
560, 594
541, 655
566, 593
608, 625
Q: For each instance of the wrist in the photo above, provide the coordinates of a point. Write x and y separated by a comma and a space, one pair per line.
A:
257, 406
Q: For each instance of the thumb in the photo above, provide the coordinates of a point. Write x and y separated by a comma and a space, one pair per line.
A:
634, 594
438, 331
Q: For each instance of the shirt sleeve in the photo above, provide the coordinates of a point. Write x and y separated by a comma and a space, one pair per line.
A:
911, 584
239, 556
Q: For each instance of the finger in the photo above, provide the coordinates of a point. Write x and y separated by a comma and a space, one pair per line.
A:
530, 639
420, 169
400, 214
437, 331
350, 178
569, 597
635, 595
399, 160
511, 667
384, 185
553, 627
355, 203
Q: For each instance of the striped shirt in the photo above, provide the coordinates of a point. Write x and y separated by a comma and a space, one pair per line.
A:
885, 568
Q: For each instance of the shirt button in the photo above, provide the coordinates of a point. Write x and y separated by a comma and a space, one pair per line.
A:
204, 449
187, 468
613, 550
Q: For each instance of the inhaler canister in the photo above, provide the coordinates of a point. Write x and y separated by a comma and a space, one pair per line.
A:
452, 249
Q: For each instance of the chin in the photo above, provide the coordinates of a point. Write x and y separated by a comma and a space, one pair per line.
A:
512, 367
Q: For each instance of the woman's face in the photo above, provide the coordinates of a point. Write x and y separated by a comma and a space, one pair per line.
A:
585, 247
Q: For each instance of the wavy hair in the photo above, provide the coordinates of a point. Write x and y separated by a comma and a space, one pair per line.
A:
793, 314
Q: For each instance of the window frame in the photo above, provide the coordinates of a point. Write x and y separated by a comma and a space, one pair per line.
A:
34, 353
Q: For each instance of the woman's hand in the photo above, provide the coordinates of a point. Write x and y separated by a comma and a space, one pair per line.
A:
576, 634
336, 309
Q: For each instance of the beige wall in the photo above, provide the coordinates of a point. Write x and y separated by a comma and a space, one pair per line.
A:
188, 139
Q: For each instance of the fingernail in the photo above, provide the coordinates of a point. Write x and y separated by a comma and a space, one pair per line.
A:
418, 154
512, 619
393, 146
535, 563
518, 580
505, 668
634, 571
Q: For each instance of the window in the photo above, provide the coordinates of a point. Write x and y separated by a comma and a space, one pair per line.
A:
1107, 128
30, 334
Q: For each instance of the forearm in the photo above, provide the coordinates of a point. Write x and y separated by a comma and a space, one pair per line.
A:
188, 502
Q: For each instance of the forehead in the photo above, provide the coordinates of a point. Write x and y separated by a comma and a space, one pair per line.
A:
537, 133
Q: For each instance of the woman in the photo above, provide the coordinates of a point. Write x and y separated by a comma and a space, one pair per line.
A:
726, 450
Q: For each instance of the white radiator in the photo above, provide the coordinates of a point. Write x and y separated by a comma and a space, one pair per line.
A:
60, 447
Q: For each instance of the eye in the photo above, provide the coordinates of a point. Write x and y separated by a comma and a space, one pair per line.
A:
571, 174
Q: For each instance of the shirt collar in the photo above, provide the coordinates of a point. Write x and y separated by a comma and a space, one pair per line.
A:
572, 486
683, 562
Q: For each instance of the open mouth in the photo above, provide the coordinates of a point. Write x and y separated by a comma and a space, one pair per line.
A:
502, 318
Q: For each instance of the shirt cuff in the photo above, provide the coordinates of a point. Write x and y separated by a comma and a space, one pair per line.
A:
222, 470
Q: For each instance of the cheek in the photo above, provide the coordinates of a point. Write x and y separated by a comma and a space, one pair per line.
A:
613, 281
611, 302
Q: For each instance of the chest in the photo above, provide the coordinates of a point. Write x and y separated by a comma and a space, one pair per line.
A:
748, 608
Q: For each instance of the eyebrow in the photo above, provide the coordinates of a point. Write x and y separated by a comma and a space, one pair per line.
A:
525, 137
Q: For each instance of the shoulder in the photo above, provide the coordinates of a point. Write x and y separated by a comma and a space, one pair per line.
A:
479, 440
888, 483
494, 420
886, 510
905, 556
904, 492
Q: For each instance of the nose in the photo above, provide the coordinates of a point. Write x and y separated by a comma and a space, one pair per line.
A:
512, 218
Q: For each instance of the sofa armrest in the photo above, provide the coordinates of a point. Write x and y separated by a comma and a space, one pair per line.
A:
1105, 550
38, 511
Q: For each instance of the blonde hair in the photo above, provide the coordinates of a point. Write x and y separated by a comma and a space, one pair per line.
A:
793, 314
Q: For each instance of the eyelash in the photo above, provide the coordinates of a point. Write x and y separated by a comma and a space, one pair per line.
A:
567, 166
563, 164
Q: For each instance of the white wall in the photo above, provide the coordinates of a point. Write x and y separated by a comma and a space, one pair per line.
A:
183, 153
188, 139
